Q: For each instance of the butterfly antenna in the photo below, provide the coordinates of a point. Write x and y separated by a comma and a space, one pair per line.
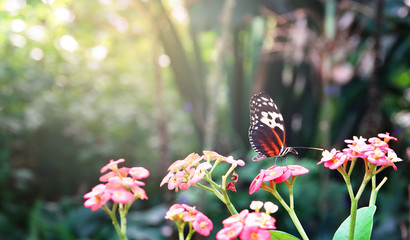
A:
312, 148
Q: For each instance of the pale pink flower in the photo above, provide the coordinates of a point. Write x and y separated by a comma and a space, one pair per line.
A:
200, 172
356, 140
386, 137
377, 142
270, 207
212, 156
113, 165
138, 173
190, 213
139, 193
175, 211
240, 217
175, 181
256, 205
333, 159
238, 162
97, 197
123, 172
296, 170
120, 195
166, 178
230, 232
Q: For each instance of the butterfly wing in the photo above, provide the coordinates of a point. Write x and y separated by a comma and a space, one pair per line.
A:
267, 131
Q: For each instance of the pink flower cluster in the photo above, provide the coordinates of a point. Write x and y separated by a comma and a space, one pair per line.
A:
189, 171
182, 213
122, 185
247, 226
276, 174
375, 150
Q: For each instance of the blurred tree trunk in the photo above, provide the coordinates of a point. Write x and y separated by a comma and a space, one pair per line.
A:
189, 84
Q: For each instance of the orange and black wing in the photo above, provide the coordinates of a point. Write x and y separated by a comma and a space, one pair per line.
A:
267, 131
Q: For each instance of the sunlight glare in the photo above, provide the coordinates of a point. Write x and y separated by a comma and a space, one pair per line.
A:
17, 25
99, 52
36, 54
36, 33
180, 14
105, 2
14, 5
68, 43
119, 22
48, 2
64, 15
164, 60
18, 40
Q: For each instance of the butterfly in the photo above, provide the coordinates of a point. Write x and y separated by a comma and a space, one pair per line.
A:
267, 134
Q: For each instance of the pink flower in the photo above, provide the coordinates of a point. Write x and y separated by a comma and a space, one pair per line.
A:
122, 171
332, 159
120, 195
238, 162
376, 142
285, 176
272, 173
247, 225
212, 156
139, 193
296, 170
356, 140
378, 157
357, 150
166, 178
386, 137
262, 220
113, 165
240, 217
190, 213
202, 224
253, 233
97, 197
256, 183
138, 173
200, 172
175, 181
230, 232
175, 211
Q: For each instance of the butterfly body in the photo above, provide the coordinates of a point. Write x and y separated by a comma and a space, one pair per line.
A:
267, 134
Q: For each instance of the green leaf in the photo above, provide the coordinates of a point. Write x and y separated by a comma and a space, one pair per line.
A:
364, 225
278, 235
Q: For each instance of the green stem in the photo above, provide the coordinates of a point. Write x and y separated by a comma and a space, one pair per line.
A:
353, 207
297, 223
191, 232
353, 211
123, 216
113, 219
291, 213
219, 192
375, 190
181, 231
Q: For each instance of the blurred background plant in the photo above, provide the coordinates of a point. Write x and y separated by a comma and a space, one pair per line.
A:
82, 82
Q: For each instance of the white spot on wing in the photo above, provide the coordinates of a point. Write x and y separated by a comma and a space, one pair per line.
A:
269, 118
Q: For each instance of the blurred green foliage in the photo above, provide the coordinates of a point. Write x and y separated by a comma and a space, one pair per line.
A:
82, 82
